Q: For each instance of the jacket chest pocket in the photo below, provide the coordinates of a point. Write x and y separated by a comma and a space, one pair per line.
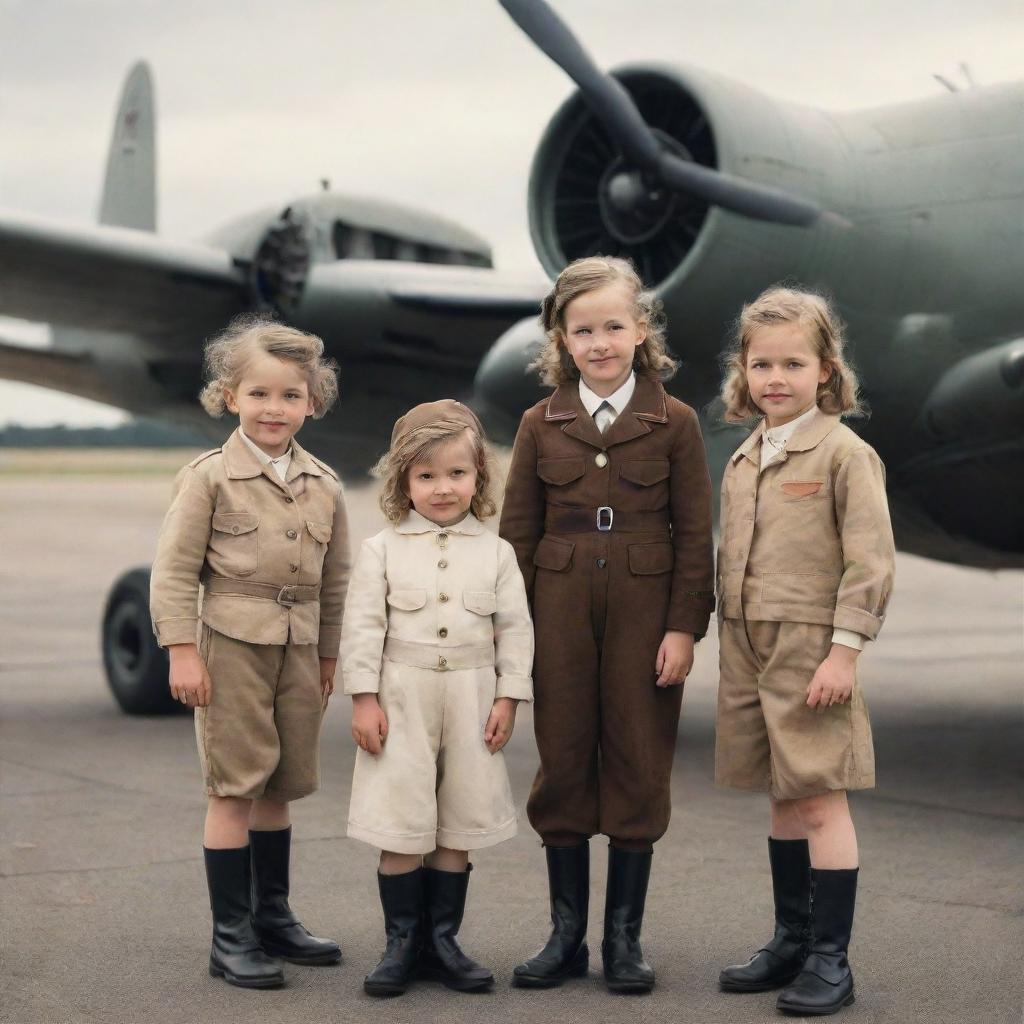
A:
233, 543
319, 538
562, 477
644, 482
803, 495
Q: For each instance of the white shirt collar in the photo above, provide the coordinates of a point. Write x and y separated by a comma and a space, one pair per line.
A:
787, 430
413, 522
618, 400
280, 463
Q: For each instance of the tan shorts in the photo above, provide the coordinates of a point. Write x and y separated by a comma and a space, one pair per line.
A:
260, 735
435, 783
767, 738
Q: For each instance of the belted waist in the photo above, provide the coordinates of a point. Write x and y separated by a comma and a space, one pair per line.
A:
440, 659
285, 596
605, 519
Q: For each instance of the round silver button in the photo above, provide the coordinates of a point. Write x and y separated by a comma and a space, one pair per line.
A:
601, 460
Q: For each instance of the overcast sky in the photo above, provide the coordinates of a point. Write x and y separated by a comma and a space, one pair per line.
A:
436, 104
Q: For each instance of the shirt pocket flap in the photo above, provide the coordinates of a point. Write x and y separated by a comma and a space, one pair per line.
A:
235, 522
407, 600
560, 471
805, 487
644, 472
552, 554
650, 559
319, 531
483, 602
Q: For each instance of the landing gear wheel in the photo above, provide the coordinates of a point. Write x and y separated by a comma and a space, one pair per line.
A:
136, 666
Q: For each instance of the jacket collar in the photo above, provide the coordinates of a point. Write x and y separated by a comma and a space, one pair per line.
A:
413, 522
807, 436
648, 405
241, 462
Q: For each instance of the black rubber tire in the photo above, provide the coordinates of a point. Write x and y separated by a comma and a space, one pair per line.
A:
136, 666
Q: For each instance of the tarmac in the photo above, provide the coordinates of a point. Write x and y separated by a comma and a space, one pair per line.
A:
104, 914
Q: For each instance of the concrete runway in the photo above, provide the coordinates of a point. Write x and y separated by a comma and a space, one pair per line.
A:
104, 908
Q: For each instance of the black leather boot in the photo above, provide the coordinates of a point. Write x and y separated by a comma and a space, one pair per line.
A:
566, 954
401, 896
825, 985
625, 969
779, 962
280, 932
441, 958
235, 954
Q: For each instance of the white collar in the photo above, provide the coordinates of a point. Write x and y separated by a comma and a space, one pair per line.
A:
618, 400
413, 522
281, 460
785, 431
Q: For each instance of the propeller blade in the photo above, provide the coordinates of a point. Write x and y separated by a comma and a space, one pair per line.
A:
613, 105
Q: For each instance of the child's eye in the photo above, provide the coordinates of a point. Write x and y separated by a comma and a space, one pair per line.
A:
458, 472
583, 330
616, 327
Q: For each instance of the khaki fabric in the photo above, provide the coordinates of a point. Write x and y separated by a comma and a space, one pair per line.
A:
260, 735
232, 517
767, 738
602, 602
437, 625
807, 539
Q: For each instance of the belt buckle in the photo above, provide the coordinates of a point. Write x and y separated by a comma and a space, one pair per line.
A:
284, 597
605, 527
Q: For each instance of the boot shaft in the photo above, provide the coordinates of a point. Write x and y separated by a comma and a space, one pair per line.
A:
569, 887
833, 900
626, 893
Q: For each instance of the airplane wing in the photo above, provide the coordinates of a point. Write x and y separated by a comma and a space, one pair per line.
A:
114, 279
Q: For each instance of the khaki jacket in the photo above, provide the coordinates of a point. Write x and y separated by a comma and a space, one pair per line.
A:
438, 599
233, 518
807, 539
649, 465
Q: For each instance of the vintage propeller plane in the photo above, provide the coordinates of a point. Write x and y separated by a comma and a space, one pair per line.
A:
911, 215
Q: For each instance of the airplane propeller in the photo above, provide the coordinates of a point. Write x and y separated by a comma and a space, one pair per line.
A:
653, 164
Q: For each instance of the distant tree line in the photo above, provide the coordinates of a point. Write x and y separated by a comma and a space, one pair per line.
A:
139, 433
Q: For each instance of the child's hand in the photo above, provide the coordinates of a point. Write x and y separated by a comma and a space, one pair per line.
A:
675, 658
369, 723
500, 723
833, 682
189, 679
328, 666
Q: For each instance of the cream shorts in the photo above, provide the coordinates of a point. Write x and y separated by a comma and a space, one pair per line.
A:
435, 783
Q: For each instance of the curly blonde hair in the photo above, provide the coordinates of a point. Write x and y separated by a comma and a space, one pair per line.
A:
228, 353
780, 304
420, 444
554, 364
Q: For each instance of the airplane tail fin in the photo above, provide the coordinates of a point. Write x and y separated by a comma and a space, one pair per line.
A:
129, 191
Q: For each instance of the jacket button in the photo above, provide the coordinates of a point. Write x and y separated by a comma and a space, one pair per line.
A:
234, 529
442, 662
291, 535
288, 498
442, 632
442, 598
293, 568
602, 562
601, 460
442, 564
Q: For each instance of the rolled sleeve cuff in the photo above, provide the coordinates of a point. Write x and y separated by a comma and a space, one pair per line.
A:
516, 687
360, 682
857, 620
329, 642
176, 631
848, 638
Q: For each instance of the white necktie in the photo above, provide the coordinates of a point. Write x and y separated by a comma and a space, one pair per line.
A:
604, 416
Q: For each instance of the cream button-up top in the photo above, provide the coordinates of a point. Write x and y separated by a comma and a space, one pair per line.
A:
437, 599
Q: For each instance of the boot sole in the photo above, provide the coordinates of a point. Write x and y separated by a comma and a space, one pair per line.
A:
455, 984
577, 969
805, 1011
234, 979
755, 986
628, 987
317, 960
384, 991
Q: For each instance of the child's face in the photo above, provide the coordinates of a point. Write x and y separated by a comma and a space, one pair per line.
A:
272, 402
783, 372
441, 487
601, 334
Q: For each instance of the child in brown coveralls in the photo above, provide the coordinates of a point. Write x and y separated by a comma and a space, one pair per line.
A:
259, 524
608, 508
805, 569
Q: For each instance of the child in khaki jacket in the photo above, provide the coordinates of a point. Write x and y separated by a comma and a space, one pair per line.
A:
260, 526
805, 569
437, 650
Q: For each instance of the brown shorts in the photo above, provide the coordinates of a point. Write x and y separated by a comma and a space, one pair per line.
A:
260, 735
767, 738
